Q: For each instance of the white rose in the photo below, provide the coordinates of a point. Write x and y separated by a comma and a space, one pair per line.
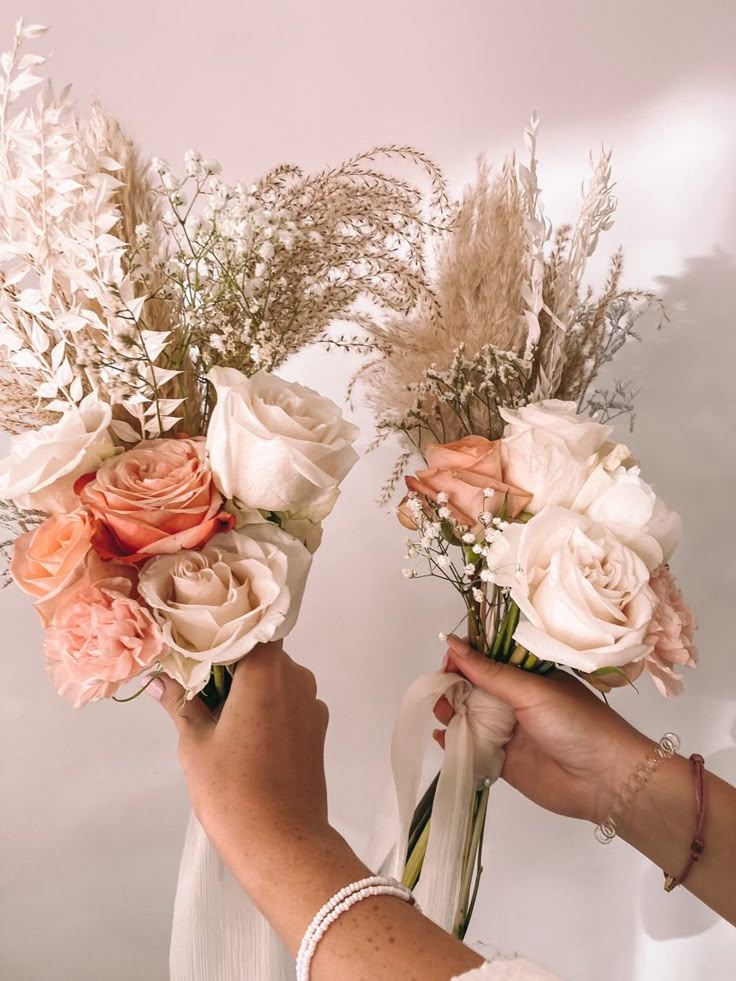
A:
277, 445
630, 508
215, 604
549, 450
308, 532
585, 595
43, 464
559, 423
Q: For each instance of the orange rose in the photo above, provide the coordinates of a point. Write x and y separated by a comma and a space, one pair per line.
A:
52, 556
463, 471
156, 499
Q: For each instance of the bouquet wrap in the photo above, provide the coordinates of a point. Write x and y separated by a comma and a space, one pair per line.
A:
218, 934
474, 756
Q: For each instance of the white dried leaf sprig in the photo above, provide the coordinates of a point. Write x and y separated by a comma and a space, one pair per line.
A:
70, 310
123, 278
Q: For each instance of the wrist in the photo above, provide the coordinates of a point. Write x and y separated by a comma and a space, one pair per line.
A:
626, 754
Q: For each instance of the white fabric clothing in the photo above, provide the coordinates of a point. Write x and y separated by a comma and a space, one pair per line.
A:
509, 969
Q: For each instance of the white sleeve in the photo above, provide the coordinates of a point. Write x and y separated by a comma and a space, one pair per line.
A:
509, 969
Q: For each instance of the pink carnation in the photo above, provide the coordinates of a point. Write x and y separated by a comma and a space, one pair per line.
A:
99, 640
671, 634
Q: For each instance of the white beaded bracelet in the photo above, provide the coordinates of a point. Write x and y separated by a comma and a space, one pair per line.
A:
340, 903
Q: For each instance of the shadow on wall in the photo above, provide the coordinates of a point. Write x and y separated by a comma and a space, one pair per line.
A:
686, 413
689, 397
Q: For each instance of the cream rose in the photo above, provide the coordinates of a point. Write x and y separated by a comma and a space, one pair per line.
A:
585, 595
277, 445
629, 507
44, 463
550, 451
214, 605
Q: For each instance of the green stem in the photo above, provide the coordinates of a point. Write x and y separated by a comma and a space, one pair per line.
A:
475, 837
415, 861
218, 674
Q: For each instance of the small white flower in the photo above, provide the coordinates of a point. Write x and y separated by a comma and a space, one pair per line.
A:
469, 569
409, 573
442, 636
443, 561
486, 575
488, 492
444, 512
477, 549
484, 517
468, 538
442, 498
478, 595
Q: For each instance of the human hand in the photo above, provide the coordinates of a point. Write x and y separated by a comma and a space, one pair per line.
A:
255, 774
570, 753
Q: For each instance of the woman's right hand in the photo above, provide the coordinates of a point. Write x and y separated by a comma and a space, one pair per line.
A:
570, 753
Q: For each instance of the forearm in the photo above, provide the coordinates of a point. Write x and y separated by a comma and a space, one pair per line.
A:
379, 938
661, 825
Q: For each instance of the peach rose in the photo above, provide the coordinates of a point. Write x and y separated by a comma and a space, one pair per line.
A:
91, 571
156, 499
49, 558
671, 634
99, 640
463, 471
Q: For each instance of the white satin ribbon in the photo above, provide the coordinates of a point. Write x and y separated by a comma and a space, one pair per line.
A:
217, 933
474, 741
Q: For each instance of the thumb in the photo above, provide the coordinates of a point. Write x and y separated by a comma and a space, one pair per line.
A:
189, 715
517, 688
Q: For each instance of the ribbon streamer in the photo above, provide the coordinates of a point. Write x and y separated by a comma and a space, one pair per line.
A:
217, 933
476, 735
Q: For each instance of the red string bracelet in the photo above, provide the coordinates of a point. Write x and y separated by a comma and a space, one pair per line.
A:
697, 846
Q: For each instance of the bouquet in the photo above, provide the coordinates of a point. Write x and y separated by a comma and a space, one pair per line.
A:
165, 489
557, 546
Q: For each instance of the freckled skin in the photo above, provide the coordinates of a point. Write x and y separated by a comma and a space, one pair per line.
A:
260, 766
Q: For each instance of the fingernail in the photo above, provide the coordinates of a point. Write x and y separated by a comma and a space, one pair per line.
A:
156, 689
458, 646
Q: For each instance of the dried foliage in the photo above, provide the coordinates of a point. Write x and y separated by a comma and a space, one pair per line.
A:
513, 322
120, 277
14, 522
